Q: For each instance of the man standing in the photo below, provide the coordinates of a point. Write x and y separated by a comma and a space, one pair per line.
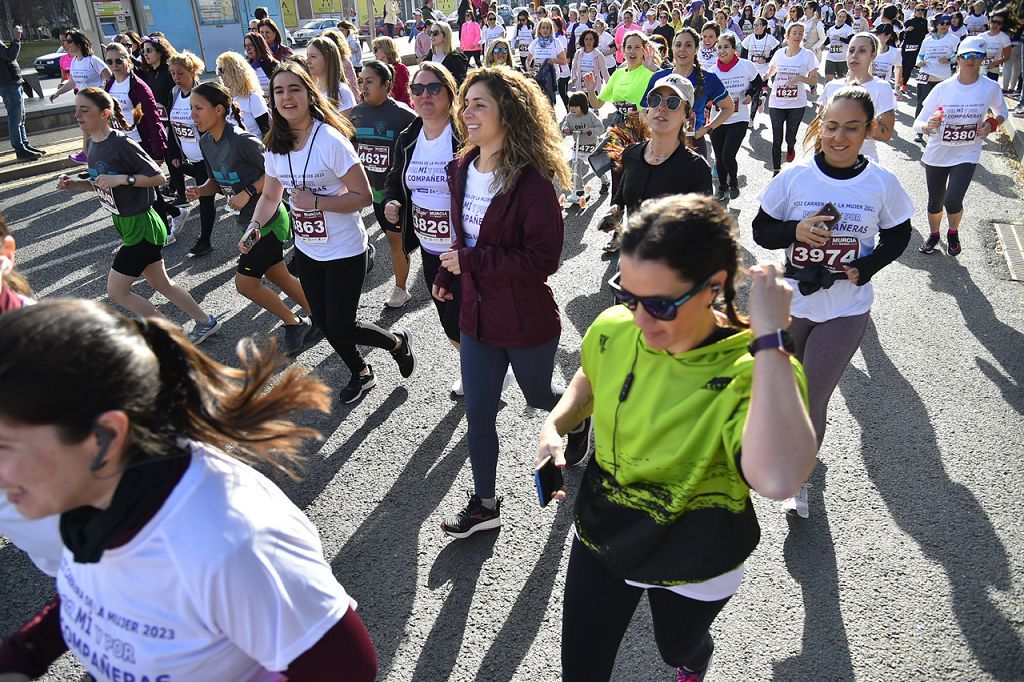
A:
428, 10
14, 98
390, 18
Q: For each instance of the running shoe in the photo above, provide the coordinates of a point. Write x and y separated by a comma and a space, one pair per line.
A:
36, 150
178, 221
734, 191
605, 186
953, 243
170, 238
509, 378
578, 446
295, 336
797, 505
404, 356
684, 675
201, 248
24, 154
357, 386
80, 157
457, 387
722, 195
473, 518
1018, 112
790, 155
919, 138
370, 257
203, 330
928, 246
398, 298
613, 245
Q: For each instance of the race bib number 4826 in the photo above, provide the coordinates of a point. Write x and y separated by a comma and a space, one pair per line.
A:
836, 254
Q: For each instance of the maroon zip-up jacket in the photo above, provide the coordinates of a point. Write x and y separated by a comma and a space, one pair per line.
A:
151, 130
506, 300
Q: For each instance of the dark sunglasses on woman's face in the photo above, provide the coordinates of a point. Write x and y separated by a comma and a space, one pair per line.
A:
115, 60
673, 102
501, 50
430, 88
434, 34
663, 309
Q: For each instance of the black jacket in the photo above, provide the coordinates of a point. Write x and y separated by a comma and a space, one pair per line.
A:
395, 188
457, 64
10, 71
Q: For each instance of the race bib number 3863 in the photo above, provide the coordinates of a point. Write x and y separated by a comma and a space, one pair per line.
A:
836, 254
309, 226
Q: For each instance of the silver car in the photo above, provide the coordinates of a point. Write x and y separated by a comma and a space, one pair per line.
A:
314, 29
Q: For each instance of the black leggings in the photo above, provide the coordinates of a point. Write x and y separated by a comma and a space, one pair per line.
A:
447, 311
947, 186
207, 208
909, 62
597, 608
475, 56
726, 140
923, 90
790, 119
563, 91
332, 288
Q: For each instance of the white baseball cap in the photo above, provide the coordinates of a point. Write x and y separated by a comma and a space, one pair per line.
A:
680, 85
971, 44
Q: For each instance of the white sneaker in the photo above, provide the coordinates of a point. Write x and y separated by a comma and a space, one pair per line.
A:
170, 239
457, 387
509, 378
178, 222
399, 297
797, 505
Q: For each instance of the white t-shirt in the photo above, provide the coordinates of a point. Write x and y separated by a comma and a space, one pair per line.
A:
478, 198
976, 23
707, 56
524, 37
264, 80
87, 72
427, 181
874, 200
885, 63
759, 50
563, 69
39, 538
963, 108
588, 63
714, 589
185, 129
120, 92
785, 95
737, 80
932, 49
994, 46
226, 582
542, 53
319, 166
836, 49
606, 43
253, 106
357, 50
346, 100
881, 96
960, 31
492, 34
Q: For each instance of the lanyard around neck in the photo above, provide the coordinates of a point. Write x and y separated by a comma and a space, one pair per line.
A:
309, 153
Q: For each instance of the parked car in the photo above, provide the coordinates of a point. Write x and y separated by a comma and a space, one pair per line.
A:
49, 64
364, 30
507, 16
314, 29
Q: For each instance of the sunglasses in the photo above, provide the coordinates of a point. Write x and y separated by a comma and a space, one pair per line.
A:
673, 102
663, 309
973, 55
500, 50
434, 34
115, 60
430, 88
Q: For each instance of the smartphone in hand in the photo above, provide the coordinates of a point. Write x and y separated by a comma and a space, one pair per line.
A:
548, 480
830, 209
249, 239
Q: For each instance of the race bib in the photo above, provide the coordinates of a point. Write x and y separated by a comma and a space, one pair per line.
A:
587, 149
432, 226
985, 62
735, 104
911, 48
759, 59
625, 108
183, 131
309, 226
787, 91
836, 254
106, 197
958, 134
835, 48
161, 112
376, 158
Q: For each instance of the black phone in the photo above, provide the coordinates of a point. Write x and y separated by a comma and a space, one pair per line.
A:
548, 479
830, 209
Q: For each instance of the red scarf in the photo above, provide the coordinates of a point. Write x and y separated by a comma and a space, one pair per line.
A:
727, 67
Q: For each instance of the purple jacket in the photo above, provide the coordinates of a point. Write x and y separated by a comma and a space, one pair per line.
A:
151, 130
506, 300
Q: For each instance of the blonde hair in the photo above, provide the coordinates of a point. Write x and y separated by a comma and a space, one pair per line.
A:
123, 51
546, 22
238, 76
388, 46
188, 60
339, 40
444, 28
489, 55
532, 137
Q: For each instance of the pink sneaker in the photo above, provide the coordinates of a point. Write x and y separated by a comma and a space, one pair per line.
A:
80, 157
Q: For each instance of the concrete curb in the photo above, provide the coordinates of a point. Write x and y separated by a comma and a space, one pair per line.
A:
51, 117
1015, 130
57, 159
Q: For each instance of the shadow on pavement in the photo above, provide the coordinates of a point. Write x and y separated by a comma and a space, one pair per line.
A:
810, 555
378, 565
942, 516
25, 589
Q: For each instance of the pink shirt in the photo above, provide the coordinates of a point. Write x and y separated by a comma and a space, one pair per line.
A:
619, 33
470, 37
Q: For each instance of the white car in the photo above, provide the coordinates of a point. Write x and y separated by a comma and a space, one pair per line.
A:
314, 29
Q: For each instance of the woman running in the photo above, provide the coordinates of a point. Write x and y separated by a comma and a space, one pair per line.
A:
915, 30
471, 37
158, 520
345, 51
839, 37
275, 42
386, 50
507, 241
707, 55
957, 116
184, 151
246, 93
814, 29
588, 59
887, 65
86, 71
794, 69
938, 51
324, 62
499, 53
493, 30
664, 506
235, 160
441, 51
134, 96
546, 53
759, 47
378, 119
124, 178
997, 44
523, 36
741, 78
310, 155
260, 59
859, 56
416, 195
841, 218
351, 35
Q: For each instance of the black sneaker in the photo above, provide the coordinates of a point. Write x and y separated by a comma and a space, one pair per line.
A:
201, 248
473, 518
371, 254
953, 243
357, 386
929, 244
578, 446
404, 356
722, 195
295, 336
734, 191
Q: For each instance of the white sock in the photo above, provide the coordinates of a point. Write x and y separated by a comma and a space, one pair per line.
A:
489, 502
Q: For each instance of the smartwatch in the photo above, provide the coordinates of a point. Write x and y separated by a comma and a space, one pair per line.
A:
778, 340
251, 189
131, 181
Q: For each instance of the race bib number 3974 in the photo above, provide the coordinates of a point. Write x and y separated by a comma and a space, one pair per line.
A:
836, 254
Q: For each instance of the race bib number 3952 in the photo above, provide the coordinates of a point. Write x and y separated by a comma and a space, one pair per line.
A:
836, 254
309, 226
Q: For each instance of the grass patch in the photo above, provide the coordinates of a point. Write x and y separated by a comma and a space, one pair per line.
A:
35, 48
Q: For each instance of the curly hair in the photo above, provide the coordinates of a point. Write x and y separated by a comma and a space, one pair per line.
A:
237, 75
163, 48
188, 61
532, 137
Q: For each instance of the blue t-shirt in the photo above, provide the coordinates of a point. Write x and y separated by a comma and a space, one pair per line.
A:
713, 90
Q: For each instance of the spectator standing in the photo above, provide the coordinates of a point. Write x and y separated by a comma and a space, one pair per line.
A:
14, 98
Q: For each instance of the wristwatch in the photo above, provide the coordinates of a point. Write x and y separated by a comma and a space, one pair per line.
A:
131, 180
251, 190
778, 340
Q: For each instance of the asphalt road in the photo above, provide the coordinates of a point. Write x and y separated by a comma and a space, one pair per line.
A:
911, 566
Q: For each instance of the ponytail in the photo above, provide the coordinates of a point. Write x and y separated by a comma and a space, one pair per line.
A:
104, 102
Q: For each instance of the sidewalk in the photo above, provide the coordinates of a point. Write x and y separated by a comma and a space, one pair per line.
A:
57, 143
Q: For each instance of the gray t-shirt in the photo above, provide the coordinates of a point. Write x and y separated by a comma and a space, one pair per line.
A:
234, 162
121, 155
377, 129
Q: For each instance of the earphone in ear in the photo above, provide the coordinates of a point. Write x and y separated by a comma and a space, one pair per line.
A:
105, 436
716, 288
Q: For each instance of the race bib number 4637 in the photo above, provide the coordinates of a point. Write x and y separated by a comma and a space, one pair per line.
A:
376, 158
836, 254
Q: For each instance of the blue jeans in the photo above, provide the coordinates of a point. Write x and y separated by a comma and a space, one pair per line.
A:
14, 101
483, 371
